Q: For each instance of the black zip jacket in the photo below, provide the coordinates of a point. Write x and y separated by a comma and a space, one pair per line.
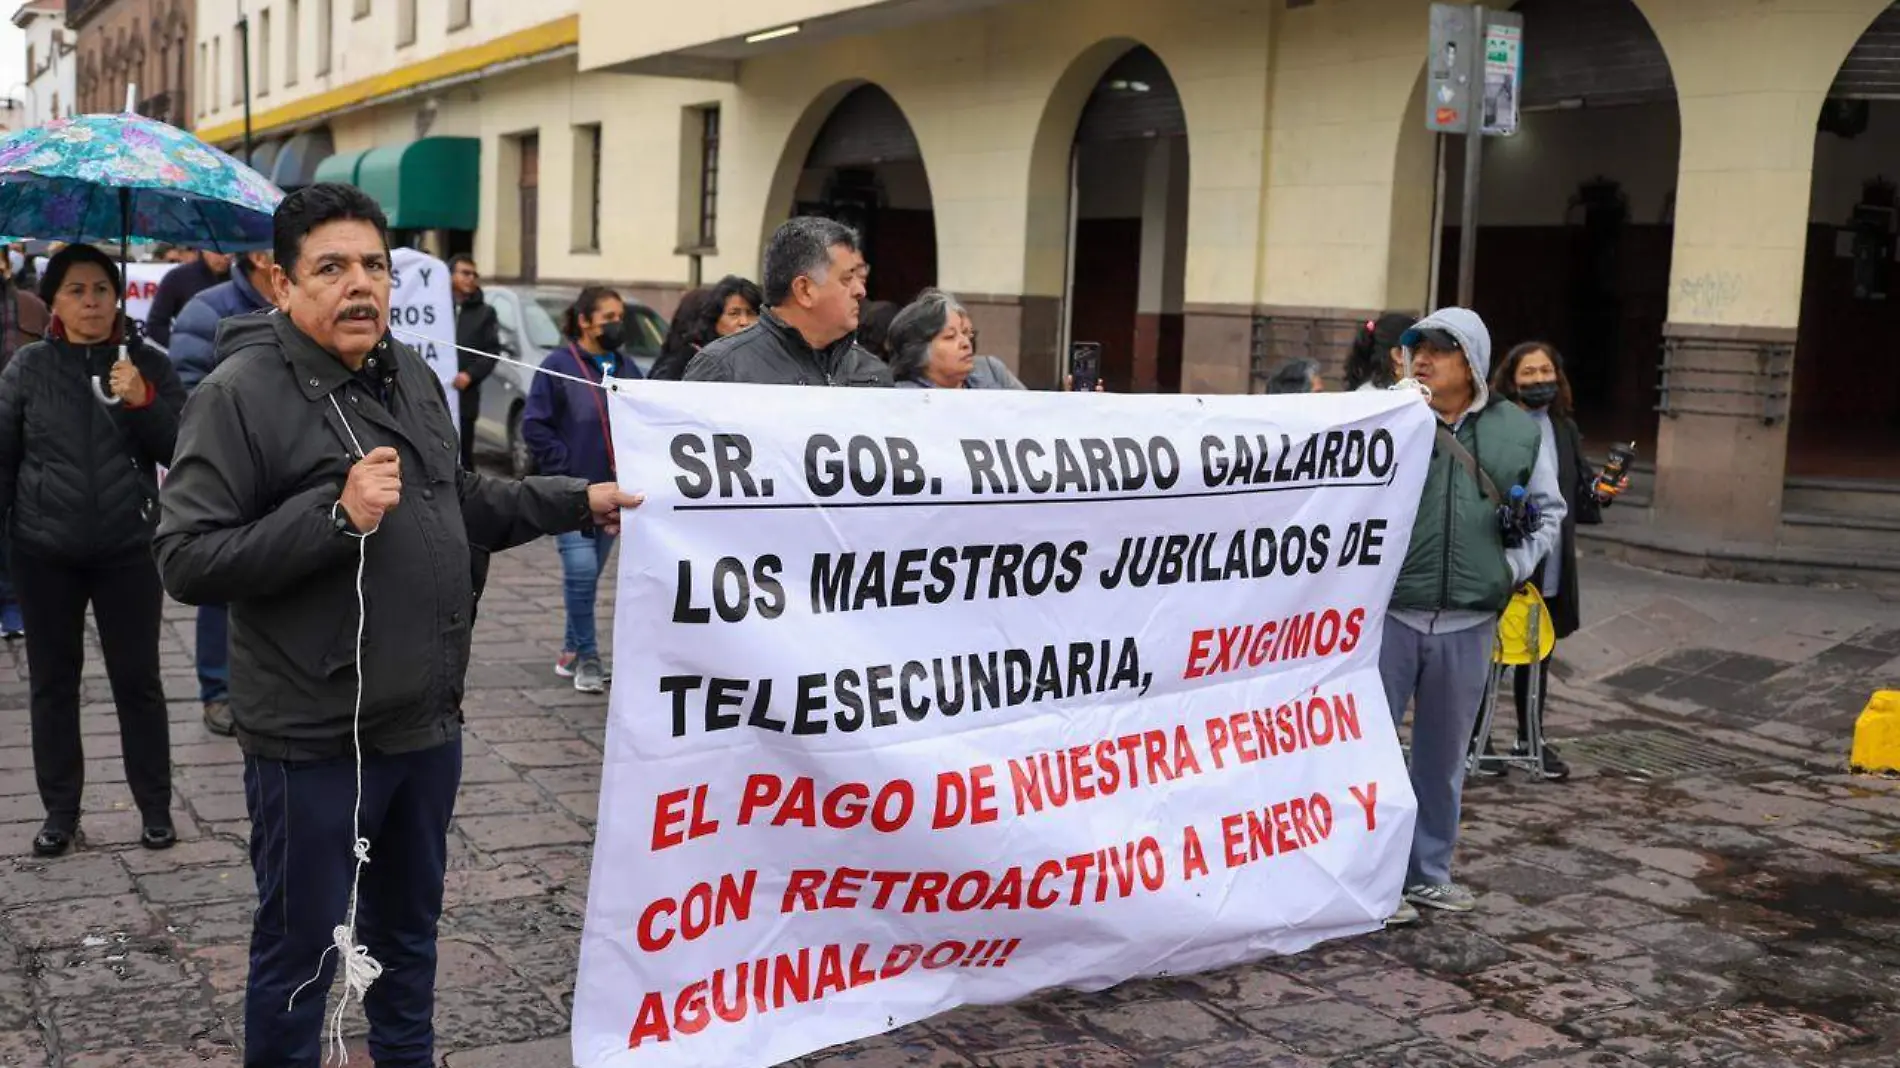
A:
773, 354
78, 478
249, 518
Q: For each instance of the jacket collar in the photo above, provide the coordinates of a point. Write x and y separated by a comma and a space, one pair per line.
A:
319, 372
826, 360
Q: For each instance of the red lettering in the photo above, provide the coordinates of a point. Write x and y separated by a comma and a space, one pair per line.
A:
1369, 800
801, 890
650, 1022
1197, 654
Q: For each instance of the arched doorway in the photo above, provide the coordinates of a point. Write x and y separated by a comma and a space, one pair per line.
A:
1577, 216
864, 169
1128, 240
1844, 419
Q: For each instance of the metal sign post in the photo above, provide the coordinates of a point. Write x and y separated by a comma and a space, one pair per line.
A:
1475, 66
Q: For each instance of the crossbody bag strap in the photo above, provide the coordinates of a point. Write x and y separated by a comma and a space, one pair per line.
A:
1450, 443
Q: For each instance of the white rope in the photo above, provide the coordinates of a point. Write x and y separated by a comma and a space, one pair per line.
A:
610, 385
360, 970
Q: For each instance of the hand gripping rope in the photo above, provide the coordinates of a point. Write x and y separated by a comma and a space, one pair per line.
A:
360, 970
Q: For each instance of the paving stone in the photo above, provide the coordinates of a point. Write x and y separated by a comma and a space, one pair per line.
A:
1402, 994
563, 753
545, 1053
201, 853
68, 923
88, 971
1082, 1053
1546, 992
79, 875
500, 833
1237, 989
193, 885
1693, 943
1247, 1053
1500, 1036
1161, 1026
497, 1013
1445, 947
488, 799
1415, 1055
1002, 1027
1328, 1029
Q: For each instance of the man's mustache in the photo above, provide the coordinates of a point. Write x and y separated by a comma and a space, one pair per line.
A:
358, 311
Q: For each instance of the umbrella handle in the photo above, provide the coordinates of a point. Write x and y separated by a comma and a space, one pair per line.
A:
99, 385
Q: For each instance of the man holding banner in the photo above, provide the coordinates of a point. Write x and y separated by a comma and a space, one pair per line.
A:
1458, 577
937, 697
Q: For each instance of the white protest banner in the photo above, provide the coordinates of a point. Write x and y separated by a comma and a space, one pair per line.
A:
969, 694
141, 285
421, 302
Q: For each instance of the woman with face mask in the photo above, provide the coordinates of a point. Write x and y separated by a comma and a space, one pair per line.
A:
565, 425
1532, 377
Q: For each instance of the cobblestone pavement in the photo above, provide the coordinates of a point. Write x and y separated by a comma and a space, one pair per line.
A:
1711, 889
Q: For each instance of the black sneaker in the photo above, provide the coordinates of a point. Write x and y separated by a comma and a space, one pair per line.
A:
218, 719
1555, 770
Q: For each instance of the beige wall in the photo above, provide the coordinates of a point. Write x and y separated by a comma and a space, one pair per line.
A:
361, 48
993, 99
622, 30
1748, 146
640, 120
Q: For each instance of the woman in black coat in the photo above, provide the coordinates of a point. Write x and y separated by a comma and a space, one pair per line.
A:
79, 492
1532, 376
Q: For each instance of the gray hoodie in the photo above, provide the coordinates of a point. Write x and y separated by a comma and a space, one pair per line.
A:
1472, 336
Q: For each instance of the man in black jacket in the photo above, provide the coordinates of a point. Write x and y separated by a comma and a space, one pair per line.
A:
814, 281
316, 482
476, 327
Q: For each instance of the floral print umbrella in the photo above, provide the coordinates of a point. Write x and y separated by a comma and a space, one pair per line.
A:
121, 178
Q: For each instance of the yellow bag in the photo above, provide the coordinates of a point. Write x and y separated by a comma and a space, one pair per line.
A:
1514, 638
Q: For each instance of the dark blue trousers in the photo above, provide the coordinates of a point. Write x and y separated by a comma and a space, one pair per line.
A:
214, 652
301, 856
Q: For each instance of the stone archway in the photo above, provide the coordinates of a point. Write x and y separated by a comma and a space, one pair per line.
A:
853, 156
1106, 233
1577, 217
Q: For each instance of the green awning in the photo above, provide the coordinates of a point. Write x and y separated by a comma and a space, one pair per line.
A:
433, 183
338, 168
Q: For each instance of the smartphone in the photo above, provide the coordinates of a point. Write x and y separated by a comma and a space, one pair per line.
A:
1085, 366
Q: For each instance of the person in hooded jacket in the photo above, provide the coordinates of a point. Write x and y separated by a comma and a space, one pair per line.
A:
814, 288
1532, 376
1458, 577
565, 423
79, 488
194, 354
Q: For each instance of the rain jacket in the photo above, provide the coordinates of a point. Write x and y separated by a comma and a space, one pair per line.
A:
78, 479
250, 517
1457, 564
771, 353
195, 333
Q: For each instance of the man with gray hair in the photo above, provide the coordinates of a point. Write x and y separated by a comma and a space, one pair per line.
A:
813, 279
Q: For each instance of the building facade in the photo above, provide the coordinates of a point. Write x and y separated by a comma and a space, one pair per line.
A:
1206, 188
51, 67
139, 45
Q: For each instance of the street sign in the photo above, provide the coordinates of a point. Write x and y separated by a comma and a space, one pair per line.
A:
1503, 70
1448, 68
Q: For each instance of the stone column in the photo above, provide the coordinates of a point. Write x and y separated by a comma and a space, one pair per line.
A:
1748, 132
